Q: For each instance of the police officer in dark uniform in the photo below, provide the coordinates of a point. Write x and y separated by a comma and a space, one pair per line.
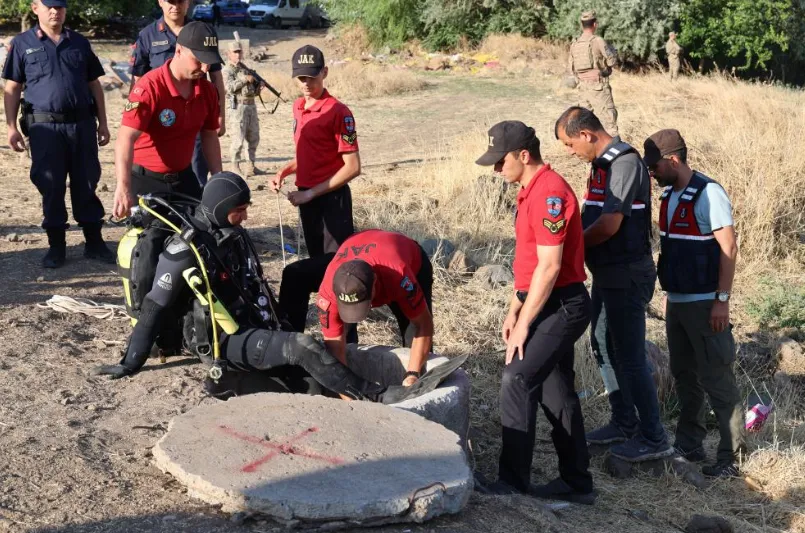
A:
257, 344
155, 45
59, 73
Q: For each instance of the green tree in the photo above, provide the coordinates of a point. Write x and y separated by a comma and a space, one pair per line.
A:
638, 29
747, 34
79, 12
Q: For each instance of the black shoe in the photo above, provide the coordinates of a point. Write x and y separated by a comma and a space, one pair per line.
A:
722, 469
95, 247
496, 488
608, 434
696, 455
558, 489
57, 253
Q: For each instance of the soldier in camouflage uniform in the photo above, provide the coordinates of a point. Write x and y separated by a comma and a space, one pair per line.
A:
591, 61
244, 127
673, 50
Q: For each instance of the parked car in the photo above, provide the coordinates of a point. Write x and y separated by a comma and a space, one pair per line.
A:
281, 13
232, 12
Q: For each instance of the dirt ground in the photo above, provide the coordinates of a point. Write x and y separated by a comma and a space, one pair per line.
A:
76, 449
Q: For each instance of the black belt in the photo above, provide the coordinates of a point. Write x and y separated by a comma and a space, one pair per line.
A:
558, 292
39, 117
170, 177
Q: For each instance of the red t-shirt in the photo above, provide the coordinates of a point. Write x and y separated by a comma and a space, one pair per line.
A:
395, 260
170, 123
322, 133
548, 215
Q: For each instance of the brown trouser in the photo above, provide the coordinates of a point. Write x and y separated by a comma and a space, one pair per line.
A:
597, 97
701, 362
673, 65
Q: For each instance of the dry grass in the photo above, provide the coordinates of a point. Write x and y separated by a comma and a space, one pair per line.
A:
354, 80
745, 136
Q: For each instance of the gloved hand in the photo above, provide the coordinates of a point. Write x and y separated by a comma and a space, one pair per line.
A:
113, 371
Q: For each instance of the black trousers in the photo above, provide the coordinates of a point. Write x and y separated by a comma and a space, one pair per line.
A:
301, 278
545, 376
327, 221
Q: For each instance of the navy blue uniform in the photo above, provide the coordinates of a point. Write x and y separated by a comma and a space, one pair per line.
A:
155, 45
63, 137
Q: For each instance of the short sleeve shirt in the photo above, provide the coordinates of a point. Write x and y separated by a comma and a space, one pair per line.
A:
322, 134
56, 76
155, 45
713, 211
548, 215
395, 260
169, 122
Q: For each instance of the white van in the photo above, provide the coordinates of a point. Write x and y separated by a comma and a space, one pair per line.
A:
282, 13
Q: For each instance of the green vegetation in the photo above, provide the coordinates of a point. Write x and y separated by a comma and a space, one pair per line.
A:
82, 12
779, 305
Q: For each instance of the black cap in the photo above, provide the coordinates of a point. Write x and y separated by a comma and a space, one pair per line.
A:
307, 61
505, 137
224, 192
201, 38
54, 3
352, 284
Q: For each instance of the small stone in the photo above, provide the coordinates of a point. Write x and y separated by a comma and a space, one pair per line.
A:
461, 264
708, 524
494, 276
92, 407
13, 237
104, 187
620, 469
67, 401
261, 187
40, 279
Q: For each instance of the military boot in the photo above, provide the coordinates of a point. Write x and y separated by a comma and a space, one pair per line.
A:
253, 170
57, 253
95, 247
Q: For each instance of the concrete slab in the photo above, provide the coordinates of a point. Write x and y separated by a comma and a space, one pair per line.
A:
448, 405
310, 461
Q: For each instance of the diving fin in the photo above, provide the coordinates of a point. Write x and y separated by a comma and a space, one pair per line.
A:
427, 383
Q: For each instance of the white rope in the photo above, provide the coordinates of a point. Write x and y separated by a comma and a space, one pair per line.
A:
282, 235
65, 304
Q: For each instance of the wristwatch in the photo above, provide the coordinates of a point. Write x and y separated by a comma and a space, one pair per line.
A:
723, 296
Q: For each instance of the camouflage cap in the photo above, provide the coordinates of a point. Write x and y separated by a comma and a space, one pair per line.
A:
587, 16
234, 46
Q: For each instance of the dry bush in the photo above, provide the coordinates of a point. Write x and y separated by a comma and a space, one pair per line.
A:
514, 51
743, 135
353, 81
350, 40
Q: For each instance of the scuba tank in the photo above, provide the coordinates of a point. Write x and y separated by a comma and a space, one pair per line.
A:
222, 317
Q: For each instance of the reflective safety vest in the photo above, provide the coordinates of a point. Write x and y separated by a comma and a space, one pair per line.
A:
689, 259
632, 240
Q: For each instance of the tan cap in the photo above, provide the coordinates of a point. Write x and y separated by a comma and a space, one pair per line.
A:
587, 16
661, 144
234, 46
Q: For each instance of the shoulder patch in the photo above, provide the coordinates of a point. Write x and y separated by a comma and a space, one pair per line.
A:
324, 312
131, 106
349, 139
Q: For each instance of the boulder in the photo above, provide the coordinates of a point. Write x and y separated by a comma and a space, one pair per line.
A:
494, 276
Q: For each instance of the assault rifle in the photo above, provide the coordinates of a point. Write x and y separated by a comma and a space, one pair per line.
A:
260, 83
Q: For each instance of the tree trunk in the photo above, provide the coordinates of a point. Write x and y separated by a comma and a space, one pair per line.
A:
26, 21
